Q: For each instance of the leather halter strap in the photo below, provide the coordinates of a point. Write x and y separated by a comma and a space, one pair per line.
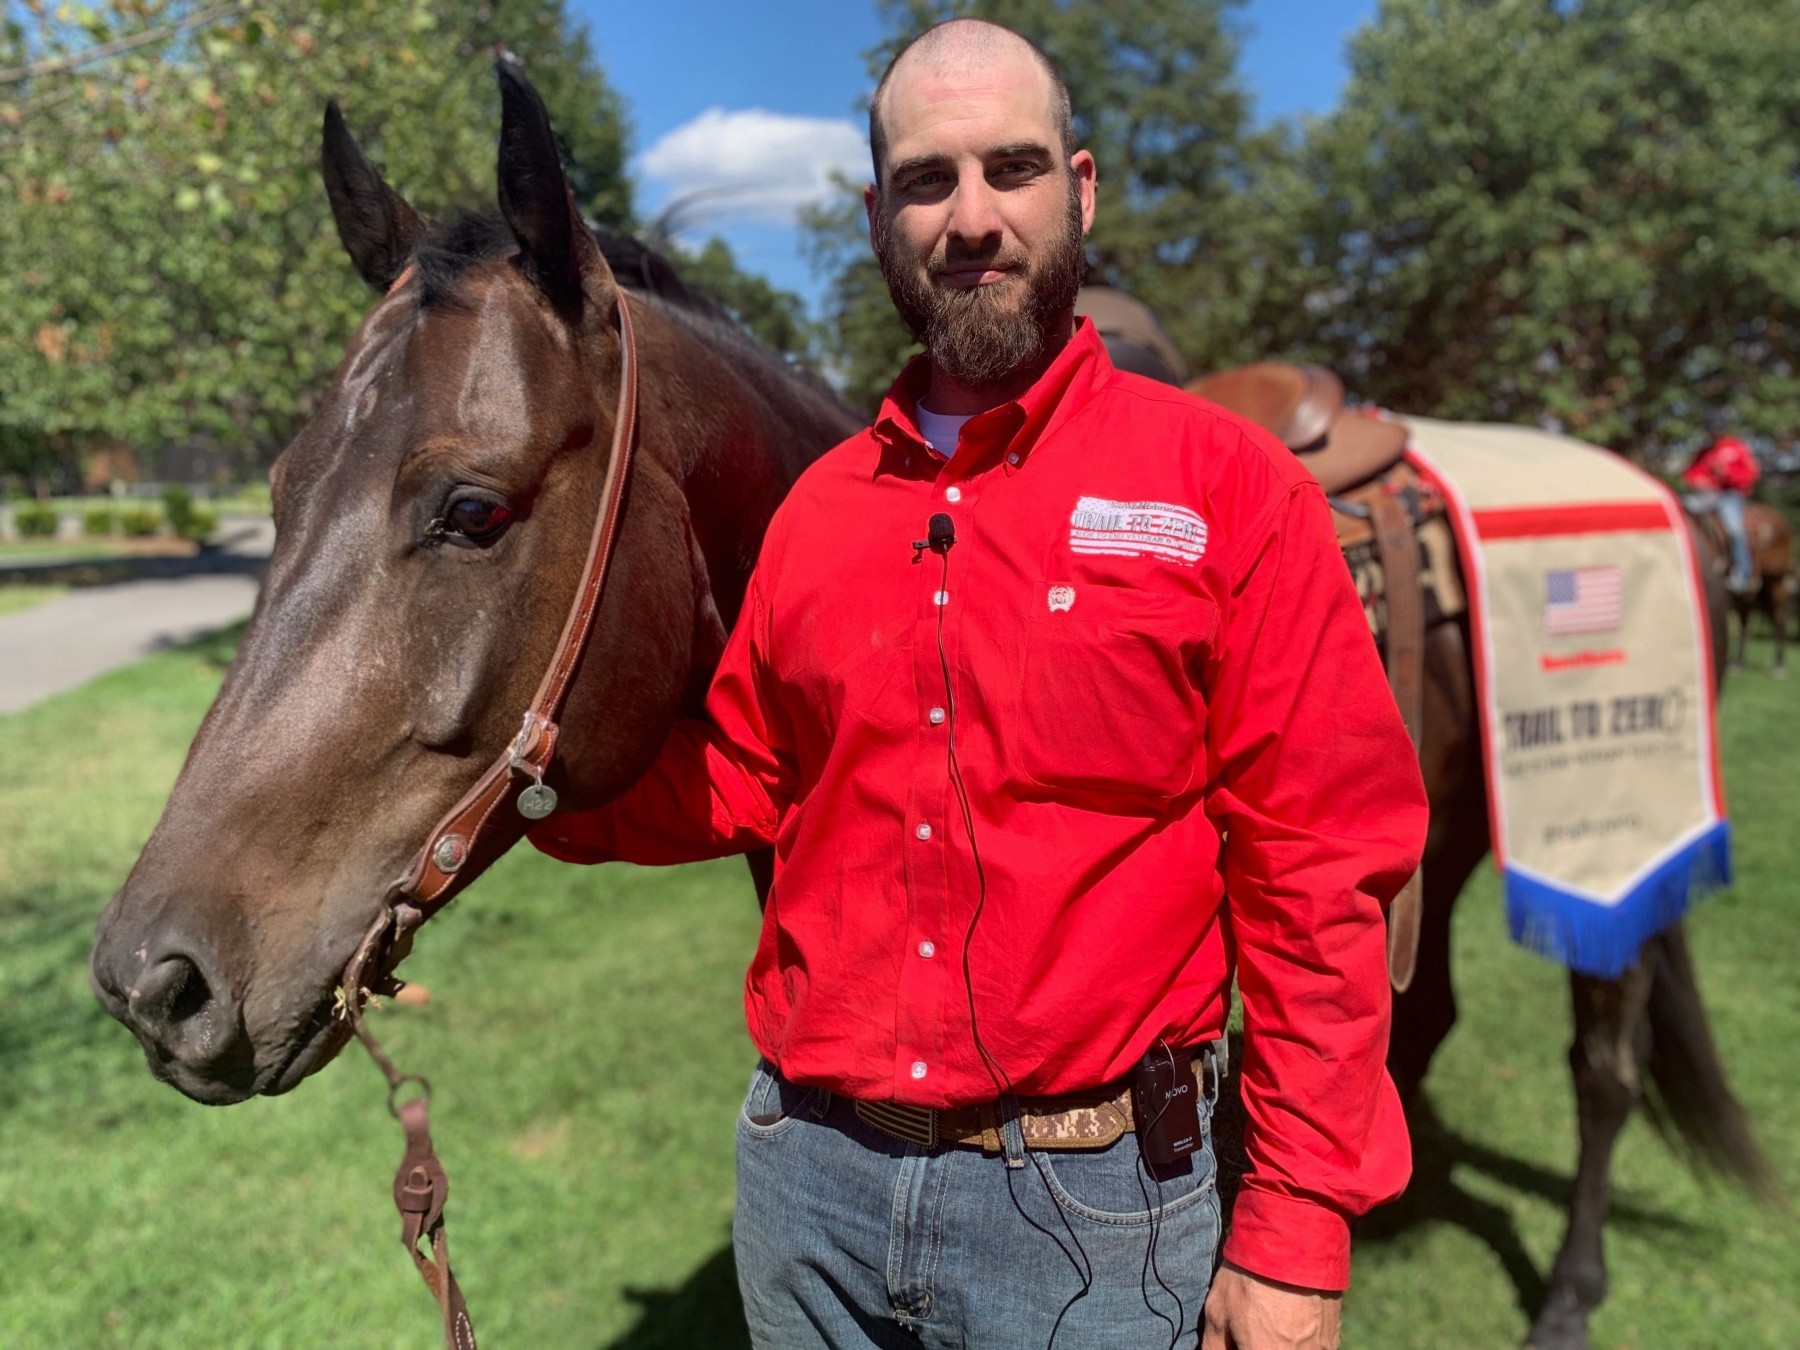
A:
421, 1186
453, 840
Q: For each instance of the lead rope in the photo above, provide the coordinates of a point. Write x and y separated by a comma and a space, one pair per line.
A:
421, 1185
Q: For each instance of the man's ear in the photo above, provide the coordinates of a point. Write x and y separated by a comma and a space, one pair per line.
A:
1087, 180
871, 204
378, 228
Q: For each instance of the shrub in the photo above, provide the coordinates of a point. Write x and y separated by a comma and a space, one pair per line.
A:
178, 509
98, 521
201, 521
34, 520
139, 522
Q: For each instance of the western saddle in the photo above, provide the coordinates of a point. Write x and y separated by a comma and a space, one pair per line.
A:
1304, 407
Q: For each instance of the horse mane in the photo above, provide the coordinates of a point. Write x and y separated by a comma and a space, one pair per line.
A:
466, 239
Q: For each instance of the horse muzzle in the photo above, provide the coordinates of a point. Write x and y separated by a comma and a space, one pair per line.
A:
168, 988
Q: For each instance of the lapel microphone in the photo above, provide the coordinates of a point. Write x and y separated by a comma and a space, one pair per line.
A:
940, 533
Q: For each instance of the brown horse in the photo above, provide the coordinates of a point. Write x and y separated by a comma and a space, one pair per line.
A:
1640, 1039
432, 523
1772, 564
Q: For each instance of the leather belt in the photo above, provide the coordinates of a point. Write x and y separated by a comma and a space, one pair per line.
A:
1073, 1120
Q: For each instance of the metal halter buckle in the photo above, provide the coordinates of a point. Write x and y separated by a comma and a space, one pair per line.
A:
536, 801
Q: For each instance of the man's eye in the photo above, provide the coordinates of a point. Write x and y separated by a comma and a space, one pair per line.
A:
470, 518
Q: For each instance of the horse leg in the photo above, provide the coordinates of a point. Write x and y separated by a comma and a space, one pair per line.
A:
1450, 758
1780, 596
1610, 1049
1742, 610
1426, 1012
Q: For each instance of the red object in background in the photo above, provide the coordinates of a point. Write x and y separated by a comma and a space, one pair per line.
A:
1727, 465
1164, 692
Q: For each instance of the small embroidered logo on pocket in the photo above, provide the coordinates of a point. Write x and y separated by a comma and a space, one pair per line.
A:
1137, 530
1062, 599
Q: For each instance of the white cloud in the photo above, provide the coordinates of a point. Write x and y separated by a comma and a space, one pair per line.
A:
752, 164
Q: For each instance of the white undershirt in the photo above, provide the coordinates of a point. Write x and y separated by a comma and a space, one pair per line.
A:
940, 430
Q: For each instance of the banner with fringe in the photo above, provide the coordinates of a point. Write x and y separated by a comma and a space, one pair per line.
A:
1593, 667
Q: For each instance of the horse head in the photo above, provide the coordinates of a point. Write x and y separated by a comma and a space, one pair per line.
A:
432, 521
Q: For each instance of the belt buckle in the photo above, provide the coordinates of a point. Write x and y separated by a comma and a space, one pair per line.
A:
912, 1124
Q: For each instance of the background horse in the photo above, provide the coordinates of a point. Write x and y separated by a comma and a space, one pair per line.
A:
1772, 564
1640, 1039
433, 521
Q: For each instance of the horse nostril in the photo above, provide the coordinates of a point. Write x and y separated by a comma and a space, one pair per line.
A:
173, 992
191, 995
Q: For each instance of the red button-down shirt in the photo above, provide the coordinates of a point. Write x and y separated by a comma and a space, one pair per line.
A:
1179, 752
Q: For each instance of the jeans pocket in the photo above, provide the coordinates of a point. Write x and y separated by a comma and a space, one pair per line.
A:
773, 1105
1114, 1186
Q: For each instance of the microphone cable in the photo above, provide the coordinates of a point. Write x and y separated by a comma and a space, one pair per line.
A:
1084, 1266
941, 539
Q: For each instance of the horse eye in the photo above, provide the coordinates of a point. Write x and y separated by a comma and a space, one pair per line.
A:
474, 520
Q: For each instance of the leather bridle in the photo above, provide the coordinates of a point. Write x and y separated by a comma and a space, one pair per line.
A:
420, 1186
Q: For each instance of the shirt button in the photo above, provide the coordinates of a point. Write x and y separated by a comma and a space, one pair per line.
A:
918, 1068
941, 598
924, 830
937, 720
927, 950
1012, 458
953, 494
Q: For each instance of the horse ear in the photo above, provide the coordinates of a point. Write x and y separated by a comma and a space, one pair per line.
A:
377, 226
557, 249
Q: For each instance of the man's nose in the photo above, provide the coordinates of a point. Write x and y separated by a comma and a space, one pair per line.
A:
975, 215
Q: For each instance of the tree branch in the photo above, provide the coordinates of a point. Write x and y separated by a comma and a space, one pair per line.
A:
60, 64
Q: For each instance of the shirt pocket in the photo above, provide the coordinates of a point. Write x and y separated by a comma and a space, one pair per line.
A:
1109, 707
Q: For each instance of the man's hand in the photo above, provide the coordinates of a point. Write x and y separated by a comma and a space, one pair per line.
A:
1247, 1312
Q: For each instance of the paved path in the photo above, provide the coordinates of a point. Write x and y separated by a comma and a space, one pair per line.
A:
68, 641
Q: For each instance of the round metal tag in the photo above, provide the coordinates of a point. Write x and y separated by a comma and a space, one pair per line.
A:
451, 853
537, 801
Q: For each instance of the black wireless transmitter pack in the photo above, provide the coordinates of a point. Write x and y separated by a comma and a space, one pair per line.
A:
1165, 1104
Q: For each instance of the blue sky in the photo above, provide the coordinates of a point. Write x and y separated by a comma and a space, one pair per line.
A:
752, 102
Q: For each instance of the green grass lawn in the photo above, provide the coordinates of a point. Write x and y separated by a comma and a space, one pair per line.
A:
586, 1043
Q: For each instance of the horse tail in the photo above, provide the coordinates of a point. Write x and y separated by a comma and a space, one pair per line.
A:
1688, 1098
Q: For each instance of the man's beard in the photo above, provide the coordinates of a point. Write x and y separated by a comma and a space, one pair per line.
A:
985, 337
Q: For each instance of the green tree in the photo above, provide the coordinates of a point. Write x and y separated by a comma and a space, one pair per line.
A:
773, 316
1577, 213
171, 266
1157, 99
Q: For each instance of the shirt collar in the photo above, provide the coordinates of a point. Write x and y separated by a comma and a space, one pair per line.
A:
1019, 424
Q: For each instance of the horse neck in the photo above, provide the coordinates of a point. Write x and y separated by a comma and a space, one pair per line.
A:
735, 427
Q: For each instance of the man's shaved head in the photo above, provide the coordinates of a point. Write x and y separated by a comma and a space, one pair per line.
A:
961, 45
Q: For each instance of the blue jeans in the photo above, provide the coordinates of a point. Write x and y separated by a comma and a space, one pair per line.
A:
1730, 506
848, 1237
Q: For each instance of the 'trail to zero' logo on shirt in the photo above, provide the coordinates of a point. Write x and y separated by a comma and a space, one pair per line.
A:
1137, 530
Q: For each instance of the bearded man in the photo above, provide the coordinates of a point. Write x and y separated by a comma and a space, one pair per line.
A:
1055, 700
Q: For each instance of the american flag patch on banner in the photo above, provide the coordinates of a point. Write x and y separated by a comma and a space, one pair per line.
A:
1584, 600
1137, 530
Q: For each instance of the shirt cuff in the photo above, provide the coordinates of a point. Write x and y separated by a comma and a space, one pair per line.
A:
1298, 1242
